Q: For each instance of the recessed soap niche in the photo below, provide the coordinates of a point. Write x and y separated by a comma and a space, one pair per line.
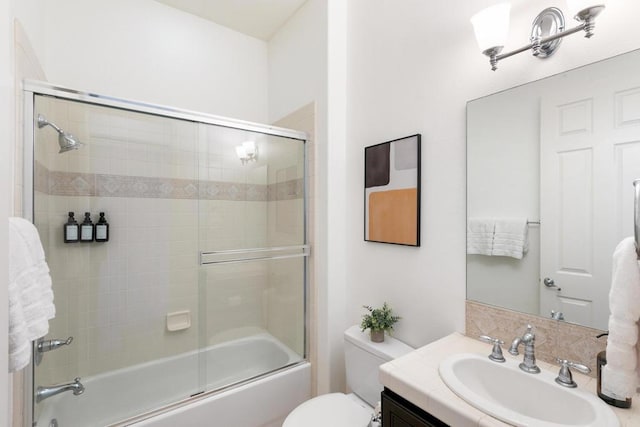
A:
178, 320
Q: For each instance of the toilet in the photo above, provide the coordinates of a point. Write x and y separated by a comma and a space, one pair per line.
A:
362, 359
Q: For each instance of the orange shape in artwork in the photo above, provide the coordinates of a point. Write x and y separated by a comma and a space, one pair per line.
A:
393, 216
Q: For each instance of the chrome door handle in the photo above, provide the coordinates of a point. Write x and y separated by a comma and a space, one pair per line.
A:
550, 283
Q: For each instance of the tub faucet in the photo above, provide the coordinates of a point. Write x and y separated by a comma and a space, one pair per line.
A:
528, 340
45, 392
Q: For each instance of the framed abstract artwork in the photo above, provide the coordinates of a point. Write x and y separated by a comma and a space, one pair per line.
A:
392, 192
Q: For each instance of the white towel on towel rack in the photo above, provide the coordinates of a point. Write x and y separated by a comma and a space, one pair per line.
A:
621, 374
30, 295
511, 238
480, 236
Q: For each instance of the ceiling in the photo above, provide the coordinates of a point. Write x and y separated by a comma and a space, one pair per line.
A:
256, 18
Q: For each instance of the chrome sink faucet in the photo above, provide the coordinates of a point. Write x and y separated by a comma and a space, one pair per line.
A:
45, 392
528, 340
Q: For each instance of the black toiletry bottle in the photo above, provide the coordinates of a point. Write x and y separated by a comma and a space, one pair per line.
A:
71, 230
102, 229
616, 401
86, 229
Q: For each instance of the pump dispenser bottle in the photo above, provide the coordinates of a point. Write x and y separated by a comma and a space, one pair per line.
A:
102, 229
86, 229
71, 230
617, 401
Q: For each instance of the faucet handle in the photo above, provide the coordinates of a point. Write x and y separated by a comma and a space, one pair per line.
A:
44, 346
565, 378
496, 352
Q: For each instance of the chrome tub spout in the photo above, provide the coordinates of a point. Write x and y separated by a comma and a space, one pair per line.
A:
48, 391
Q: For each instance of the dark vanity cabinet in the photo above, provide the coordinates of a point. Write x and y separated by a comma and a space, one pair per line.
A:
399, 412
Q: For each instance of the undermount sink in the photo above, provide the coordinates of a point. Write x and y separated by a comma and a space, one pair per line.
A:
505, 392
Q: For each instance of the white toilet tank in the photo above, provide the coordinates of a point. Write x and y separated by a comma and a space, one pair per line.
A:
362, 359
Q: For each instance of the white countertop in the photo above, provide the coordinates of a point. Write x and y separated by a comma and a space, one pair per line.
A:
415, 377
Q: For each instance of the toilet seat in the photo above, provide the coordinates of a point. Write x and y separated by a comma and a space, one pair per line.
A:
334, 409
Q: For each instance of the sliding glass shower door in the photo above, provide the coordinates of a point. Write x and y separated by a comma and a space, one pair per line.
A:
201, 283
252, 240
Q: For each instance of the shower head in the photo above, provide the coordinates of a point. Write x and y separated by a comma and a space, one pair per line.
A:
66, 141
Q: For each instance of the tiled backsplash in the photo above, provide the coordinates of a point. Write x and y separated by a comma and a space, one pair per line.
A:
553, 338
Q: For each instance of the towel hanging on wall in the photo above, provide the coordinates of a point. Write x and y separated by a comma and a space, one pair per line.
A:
30, 295
620, 375
480, 236
498, 237
511, 238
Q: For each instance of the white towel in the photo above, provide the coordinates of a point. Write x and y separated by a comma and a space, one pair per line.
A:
480, 236
30, 295
510, 238
620, 375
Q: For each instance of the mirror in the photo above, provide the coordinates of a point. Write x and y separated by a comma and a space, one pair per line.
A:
558, 155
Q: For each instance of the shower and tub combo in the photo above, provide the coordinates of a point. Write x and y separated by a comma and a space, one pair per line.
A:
196, 304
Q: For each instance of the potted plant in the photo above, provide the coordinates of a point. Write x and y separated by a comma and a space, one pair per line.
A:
378, 320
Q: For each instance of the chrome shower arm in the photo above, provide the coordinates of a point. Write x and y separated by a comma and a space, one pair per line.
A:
42, 122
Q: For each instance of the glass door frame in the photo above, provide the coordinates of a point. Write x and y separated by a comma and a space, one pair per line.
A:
31, 88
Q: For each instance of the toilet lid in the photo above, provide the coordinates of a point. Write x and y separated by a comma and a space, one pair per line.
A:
334, 409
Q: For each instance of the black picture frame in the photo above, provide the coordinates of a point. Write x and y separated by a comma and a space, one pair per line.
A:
392, 178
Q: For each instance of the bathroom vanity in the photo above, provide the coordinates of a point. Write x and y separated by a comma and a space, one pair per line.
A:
397, 412
416, 395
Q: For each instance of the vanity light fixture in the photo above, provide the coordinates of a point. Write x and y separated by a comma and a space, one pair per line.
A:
491, 27
247, 152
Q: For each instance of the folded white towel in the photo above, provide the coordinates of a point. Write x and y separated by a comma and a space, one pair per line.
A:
615, 382
620, 375
510, 238
624, 332
30, 295
480, 236
619, 363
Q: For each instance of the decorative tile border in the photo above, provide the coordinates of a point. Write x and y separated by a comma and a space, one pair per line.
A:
144, 187
41, 178
553, 338
105, 185
67, 184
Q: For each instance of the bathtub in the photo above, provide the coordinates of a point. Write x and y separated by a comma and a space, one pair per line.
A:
134, 394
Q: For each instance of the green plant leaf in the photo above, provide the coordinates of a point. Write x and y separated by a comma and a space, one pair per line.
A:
379, 319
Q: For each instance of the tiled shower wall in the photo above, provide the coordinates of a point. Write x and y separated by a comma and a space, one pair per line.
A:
169, 189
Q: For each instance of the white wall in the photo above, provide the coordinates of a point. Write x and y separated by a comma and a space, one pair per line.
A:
147, 51
6, 123
412, 67
298, 61
31, 14
307, 63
